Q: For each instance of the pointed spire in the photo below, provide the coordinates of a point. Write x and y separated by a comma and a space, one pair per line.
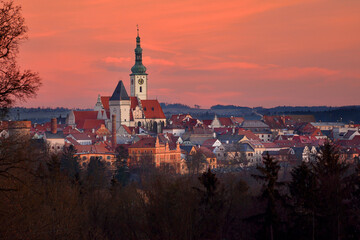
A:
120, 92
138, 68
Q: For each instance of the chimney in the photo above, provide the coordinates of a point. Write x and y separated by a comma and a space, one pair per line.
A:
53, 126
113, 130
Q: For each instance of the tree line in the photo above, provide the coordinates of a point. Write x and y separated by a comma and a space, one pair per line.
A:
46, 196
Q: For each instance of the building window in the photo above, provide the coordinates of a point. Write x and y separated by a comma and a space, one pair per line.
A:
140, 89
152, 108
108, 157
132, 81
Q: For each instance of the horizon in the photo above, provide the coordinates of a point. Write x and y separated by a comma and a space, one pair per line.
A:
247, 54
192, 107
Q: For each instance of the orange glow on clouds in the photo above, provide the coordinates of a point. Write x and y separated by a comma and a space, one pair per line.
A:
206, 52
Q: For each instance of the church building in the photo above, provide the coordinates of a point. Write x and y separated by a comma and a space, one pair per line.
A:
135, 110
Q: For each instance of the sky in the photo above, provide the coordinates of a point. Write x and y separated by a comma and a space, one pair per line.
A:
206, 52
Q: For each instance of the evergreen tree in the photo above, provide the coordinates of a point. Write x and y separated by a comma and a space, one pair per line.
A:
69, 163
96, 176
270, 193
211, 206
122, 173
332, 191
302, 190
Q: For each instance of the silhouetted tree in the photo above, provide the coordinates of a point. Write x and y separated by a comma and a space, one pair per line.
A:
96, 176
196, 161
211, 206
303, 197
70, 163
14, 84
332, 191
270, 193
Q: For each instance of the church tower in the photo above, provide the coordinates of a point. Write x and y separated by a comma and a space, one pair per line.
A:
138, 76
119, 104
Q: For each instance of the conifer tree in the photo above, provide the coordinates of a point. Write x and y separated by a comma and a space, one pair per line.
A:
332, 191
302, 190
69, 163
270, 192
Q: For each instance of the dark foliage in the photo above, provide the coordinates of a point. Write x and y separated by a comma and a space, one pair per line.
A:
14, 83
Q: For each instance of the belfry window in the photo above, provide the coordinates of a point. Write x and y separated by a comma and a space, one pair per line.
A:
140, 89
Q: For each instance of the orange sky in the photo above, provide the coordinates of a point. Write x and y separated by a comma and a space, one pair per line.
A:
241, 52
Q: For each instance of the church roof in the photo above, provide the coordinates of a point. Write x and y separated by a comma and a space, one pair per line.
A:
152, 109
105, 102
119, 93
81, 116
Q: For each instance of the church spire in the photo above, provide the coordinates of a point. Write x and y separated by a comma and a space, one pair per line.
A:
138, 68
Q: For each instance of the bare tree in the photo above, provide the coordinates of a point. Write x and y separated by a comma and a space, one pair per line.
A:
14, 83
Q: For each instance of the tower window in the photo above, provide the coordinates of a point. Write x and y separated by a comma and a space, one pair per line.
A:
140, 89
132, 81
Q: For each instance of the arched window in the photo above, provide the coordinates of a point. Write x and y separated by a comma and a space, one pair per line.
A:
140, 89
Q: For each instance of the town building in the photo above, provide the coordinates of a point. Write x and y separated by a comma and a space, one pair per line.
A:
134, 110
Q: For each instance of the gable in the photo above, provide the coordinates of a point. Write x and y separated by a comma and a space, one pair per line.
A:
105, 103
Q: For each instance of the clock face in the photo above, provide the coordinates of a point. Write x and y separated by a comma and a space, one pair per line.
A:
141, 81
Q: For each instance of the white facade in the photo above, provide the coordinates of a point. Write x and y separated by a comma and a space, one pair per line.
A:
138, 86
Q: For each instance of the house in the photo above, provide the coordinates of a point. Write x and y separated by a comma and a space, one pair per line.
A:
211, 161
100, 150
159, 152
282, 155
54, 138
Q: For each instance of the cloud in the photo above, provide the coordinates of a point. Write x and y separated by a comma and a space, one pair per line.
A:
117, 60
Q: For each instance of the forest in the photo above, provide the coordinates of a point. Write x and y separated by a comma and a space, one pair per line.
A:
47, 196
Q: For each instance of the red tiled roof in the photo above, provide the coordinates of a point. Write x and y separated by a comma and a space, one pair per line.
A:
81, 116
81, 136
72, 141
43, 127
207, 152
209, 142
249, 134
92, 124
133, 102
223, 130
152, 109
237, 120
225, 121
270, 145
4, 125
178, 117
96, 148
207, 122
105, 102
69, 129
146, 142
127, 129
168, 138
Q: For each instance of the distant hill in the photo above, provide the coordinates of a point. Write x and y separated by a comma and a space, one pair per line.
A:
321, 113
